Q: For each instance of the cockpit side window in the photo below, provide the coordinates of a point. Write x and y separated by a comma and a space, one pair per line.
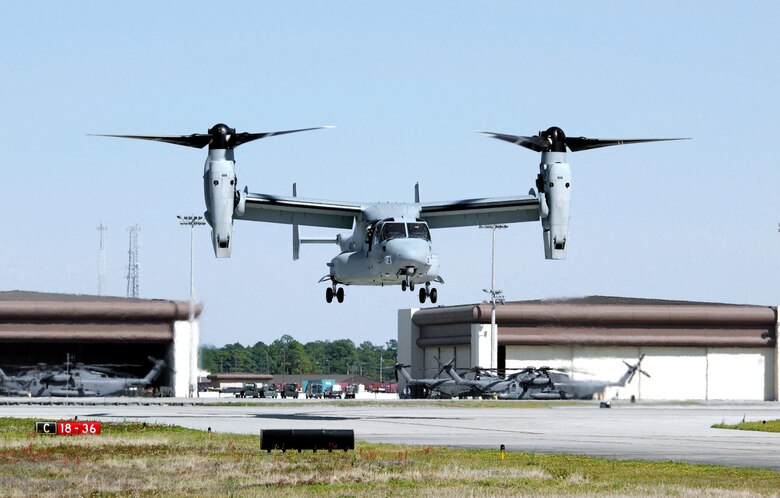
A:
419, 231
392, 231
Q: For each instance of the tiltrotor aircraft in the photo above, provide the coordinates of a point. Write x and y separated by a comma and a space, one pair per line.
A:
390, 242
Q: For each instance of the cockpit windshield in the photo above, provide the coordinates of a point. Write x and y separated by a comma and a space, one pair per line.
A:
418, 231
392, 231
395, 230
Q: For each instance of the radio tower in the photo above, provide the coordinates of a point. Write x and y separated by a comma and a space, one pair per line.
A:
132, 262
101, 260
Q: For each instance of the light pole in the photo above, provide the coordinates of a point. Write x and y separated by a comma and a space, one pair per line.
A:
495, 296
192, 221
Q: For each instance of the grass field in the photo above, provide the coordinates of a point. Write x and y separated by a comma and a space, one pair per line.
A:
139, 460
759, 425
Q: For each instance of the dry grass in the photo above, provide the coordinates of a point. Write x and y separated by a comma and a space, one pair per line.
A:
131, 459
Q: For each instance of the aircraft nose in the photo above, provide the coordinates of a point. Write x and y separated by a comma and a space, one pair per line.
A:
409, 252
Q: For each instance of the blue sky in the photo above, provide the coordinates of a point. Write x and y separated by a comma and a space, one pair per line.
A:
406, 84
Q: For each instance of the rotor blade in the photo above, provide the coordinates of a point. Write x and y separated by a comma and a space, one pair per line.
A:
197, 140
537, 144
581, 143
242, 138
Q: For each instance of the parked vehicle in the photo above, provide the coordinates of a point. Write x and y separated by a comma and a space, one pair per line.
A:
290, 390
269, 391
334, 391
314, 390
249, 390
350, 391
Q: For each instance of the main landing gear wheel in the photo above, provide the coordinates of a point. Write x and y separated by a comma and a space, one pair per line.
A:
332, 292
427, 292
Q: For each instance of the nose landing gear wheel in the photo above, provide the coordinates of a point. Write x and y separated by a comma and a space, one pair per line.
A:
423, 295
403, 285
434, 295
340, 295
329, 294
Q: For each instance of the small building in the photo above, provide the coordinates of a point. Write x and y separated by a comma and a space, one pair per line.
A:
693, 351
54, 329
237, 379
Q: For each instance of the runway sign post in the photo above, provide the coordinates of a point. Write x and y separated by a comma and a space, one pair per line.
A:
68, 428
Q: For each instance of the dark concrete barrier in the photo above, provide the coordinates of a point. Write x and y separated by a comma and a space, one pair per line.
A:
307, 439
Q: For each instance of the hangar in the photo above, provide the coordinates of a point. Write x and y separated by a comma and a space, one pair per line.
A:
693, 351
49, 328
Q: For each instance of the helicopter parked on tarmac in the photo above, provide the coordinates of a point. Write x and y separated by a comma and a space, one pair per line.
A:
74, 379
551, 383
430, 388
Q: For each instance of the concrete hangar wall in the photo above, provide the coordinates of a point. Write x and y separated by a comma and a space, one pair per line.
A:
693, 351
44, 328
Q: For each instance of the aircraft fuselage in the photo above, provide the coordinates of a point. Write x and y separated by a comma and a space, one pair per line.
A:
391, 251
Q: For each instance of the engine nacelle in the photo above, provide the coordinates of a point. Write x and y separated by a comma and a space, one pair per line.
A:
219, 183
556, 198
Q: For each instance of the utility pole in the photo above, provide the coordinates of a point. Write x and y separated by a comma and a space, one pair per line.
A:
192, 222
132, 262
101, 260
496, 296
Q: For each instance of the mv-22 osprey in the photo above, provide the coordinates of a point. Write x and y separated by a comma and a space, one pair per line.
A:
390, 242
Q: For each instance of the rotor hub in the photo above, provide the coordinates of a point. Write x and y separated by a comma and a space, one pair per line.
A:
221, 136
556, 138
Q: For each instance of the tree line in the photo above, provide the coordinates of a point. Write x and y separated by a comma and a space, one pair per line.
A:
288, 356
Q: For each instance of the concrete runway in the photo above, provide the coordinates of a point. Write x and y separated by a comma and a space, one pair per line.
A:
645, 431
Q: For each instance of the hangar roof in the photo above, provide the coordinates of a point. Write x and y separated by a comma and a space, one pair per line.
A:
605, 320
39, 316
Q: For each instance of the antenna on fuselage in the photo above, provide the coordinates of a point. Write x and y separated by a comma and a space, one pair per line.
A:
417, 192
296, 235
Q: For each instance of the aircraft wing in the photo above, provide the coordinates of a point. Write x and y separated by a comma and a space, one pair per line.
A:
299, 211
473, 212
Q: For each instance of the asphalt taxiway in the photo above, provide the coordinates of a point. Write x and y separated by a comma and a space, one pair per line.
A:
644, 431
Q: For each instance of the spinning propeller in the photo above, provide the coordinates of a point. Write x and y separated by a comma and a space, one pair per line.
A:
554, 140
219, 136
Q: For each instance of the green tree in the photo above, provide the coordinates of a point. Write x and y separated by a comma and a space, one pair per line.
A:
286, 355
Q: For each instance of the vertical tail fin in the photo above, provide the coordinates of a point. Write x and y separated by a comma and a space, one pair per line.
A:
154, 372
399, 369
452, 373
632, 370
